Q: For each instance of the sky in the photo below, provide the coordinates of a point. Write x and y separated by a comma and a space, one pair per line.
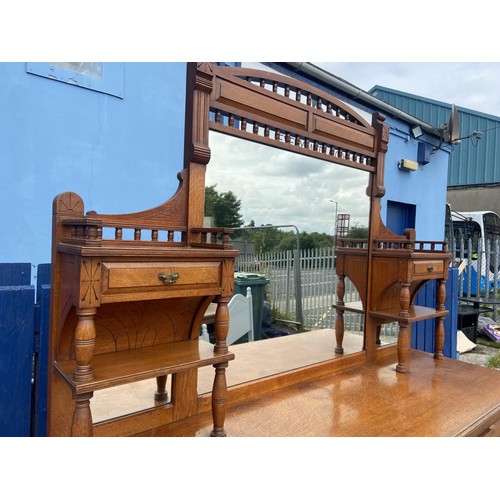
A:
472, 85
279, 187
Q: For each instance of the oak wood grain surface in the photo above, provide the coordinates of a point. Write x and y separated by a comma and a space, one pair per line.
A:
438, 398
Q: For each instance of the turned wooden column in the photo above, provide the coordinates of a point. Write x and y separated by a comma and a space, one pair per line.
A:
219, 400
221, 325
404, 300
403, 348
81, 425
339, 320
404, 331
84, 342
161, 394
219, 391
439, 330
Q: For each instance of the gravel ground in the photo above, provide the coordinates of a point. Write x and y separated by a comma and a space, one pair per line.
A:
479, 355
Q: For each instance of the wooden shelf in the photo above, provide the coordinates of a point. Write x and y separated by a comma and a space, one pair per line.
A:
415, 313
355, 307
122, 367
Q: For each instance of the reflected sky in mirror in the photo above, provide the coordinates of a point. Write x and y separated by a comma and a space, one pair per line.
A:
279, 187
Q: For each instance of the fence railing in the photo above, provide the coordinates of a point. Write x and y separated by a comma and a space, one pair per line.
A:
481, 268
318, 282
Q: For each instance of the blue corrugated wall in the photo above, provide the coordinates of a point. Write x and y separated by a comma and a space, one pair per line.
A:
473, 161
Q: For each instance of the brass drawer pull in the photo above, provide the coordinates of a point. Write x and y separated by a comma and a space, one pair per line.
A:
168, 278
430, 268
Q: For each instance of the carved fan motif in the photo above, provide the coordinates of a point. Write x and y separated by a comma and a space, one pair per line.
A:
134, 325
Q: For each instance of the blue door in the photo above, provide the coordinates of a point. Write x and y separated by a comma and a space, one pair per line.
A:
400, 216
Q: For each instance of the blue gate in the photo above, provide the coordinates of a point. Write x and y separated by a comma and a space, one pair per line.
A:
24, 313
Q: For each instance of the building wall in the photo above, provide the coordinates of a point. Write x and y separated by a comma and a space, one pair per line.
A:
121, 154
482, 198
424, 188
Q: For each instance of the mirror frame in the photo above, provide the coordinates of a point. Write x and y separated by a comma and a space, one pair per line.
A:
286, 113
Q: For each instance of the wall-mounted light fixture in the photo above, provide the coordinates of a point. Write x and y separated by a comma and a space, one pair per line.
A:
412, 166
416, 132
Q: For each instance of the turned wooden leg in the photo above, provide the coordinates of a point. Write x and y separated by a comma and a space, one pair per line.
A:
219, 399
403, 348
439, 338
84, 344
339, 320
404, 300
161, 393
439, 331
404, 331
81, 425
221, 325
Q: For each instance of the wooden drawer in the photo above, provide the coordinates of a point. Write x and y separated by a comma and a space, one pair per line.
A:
428, 267
154, 276
489, 426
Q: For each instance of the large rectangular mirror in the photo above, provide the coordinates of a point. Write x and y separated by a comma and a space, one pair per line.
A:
290, 192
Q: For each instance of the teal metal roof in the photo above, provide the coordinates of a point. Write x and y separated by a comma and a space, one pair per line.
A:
473, 161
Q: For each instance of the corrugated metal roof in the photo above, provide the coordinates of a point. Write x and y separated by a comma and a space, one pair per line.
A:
473, 161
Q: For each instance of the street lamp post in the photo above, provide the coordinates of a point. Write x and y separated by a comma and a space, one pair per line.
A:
335, 227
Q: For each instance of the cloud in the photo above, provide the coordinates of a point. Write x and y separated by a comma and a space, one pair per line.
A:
470, 85
278, 187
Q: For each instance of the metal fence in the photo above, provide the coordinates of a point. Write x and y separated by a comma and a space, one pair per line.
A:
480, 267
303, 285
306, 296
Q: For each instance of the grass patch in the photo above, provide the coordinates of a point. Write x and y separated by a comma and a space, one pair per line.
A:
488, 343
494, 361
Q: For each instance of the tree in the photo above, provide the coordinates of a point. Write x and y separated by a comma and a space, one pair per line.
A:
358, 232
223, 207
211, 196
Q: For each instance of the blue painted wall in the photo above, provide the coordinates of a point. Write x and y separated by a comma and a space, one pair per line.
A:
425, 188
119, 154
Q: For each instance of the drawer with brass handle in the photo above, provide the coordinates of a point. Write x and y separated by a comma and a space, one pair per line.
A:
428, 267
120, 277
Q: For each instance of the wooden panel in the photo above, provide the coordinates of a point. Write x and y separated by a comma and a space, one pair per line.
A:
260, 105
185, 394
349, 135
356, 269
129, 425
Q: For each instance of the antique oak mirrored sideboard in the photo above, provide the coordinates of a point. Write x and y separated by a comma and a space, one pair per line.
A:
129, 291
